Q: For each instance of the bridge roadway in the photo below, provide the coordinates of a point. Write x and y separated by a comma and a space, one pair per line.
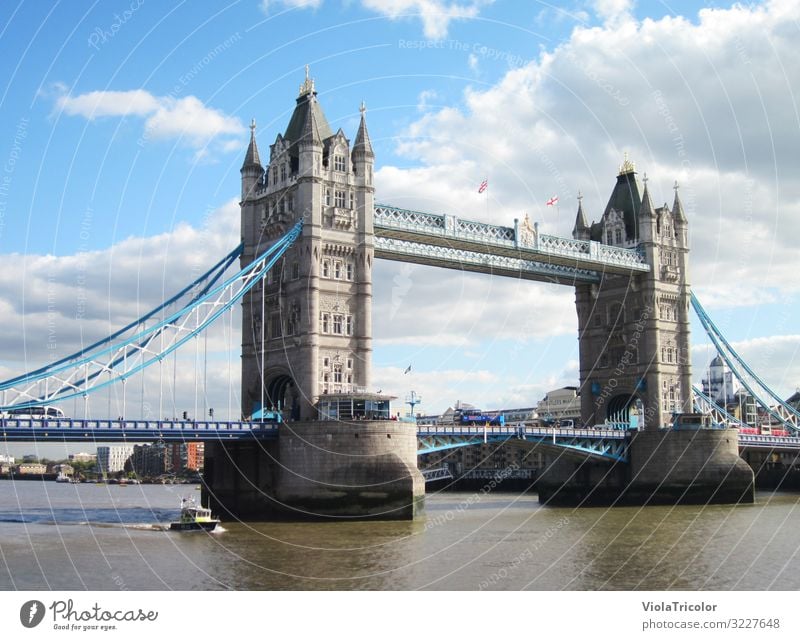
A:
610, 444
519, 251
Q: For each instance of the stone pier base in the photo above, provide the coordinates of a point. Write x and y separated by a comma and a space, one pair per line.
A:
239, 480
319, 470
688, 467
666, 467
362, 469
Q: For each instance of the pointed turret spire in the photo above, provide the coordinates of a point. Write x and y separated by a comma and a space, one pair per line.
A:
362, 144
251, 158
627, 166
308, 85
581, 229
677, 207
647, 209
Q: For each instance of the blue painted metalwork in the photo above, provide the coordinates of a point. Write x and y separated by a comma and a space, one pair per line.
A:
769, 401
598, 443
67, 430
207, 280
123, 359
608, 444
441, 473
705, 404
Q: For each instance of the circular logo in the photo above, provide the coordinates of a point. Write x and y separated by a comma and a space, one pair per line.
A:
31, 613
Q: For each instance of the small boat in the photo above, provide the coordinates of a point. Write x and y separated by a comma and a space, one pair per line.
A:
194, 518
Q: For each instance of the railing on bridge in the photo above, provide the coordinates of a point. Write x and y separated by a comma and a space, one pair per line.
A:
440, 473
444, 256
408, 225
608, 444
747, 440
69, 430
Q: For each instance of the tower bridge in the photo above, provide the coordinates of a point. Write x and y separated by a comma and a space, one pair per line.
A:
310, 232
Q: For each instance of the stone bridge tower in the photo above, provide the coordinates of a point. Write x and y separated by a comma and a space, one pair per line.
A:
634, 331
634, 357
306, 329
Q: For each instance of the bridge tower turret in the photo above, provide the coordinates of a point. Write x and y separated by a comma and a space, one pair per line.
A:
634, 331
252, 171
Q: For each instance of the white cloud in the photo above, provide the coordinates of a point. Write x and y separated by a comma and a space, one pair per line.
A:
185, 119
190, 118
470, 309
424, 99
98, 104
436, 15
290, 4
613, 10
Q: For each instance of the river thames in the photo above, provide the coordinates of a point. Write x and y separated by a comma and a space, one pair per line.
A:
107, 537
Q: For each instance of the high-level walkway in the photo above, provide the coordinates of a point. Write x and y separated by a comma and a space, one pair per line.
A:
519, 251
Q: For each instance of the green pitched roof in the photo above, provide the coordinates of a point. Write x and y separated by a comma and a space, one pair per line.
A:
305, 103
625, 198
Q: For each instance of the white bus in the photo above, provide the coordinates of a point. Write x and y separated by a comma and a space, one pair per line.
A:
35, 413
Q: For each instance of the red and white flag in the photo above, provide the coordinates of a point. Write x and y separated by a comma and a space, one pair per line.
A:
484, 186
552, 201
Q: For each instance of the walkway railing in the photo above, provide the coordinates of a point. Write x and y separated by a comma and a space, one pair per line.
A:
69, 430
520, 240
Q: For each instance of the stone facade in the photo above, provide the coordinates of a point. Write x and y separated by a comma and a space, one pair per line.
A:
634, 331
311, 321
352, 470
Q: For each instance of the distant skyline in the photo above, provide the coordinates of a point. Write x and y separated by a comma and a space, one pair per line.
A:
124, 127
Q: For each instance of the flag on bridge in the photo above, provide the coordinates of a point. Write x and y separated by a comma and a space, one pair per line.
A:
484, 186
552, 201
408, 369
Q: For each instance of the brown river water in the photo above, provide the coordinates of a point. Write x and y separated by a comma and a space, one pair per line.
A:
106, 537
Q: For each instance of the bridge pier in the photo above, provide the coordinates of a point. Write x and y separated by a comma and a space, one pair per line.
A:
319, 470
239, 479
666, 467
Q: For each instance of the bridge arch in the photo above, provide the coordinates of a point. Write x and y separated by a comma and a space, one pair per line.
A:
281, 392
624, 407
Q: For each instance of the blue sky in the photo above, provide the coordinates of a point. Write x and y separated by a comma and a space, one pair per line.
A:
123, 126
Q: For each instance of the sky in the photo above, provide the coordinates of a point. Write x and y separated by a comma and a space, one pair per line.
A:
123, 126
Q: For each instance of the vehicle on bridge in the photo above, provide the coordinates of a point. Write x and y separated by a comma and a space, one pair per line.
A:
691, 421
35, 413
271, 416
477, 417
765, 430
